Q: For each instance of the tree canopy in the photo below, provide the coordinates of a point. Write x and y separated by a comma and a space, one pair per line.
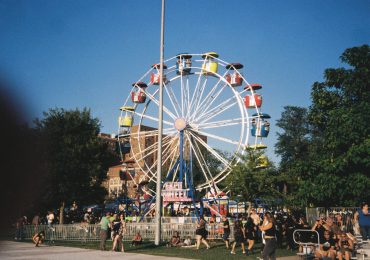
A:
75, 157
332, 141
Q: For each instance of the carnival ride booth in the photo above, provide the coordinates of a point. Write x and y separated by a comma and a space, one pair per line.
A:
253, 100
235, 78
210, 64
173, 192
183, 64
216, 201
156, 75
138, 94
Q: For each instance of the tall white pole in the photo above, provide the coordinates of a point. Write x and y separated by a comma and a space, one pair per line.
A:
158, 201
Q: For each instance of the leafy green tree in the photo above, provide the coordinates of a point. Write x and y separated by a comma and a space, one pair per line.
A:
340, 120
75, 157
292, 146
248, 181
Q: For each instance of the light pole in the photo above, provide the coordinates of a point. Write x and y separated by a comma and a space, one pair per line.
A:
158, 201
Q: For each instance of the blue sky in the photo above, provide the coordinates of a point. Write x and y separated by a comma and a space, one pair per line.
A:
86, 53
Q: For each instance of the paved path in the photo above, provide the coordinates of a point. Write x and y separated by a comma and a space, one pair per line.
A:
22, 250
17, 250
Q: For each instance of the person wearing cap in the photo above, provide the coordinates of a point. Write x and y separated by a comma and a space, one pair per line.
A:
104, 225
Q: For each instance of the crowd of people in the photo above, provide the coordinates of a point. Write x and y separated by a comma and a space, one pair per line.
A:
336, 231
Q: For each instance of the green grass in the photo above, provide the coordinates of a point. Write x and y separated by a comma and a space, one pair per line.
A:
217, 251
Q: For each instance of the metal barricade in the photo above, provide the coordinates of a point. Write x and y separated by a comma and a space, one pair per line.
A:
342, 216
90, 232
308, 240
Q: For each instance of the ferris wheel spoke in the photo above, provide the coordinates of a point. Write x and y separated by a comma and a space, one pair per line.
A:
222, 107
150, 149
199, 157
152, 118
182, 96
155, 101
153, 166
173, 99
209, 148
208, 100
221, 123
200, 106
194, 92
172, 155
220, 138
198, 98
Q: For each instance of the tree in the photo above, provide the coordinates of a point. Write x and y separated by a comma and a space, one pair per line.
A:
76, 158
249, 182
340, 120
292, 146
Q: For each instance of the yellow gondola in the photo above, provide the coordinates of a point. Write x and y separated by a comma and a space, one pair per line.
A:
262, 162
127, 119
210, 65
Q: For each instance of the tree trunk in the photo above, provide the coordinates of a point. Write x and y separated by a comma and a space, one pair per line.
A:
61, 211
285, 188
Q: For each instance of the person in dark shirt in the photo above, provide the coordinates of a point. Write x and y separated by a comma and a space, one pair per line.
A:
239, 235
319, 227
345, 247
269, 227
327, 247
250, 233
226, 227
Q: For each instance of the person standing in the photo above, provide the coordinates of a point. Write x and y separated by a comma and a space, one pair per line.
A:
118, 239
268, 227
104, 225
250, 234
239, 235
50, 219
201, 233
36, 222
226, 227
364, 221
19, 228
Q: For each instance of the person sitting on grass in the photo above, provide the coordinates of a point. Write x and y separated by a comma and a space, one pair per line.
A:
186, 242
137, 239
39, 238
175, 240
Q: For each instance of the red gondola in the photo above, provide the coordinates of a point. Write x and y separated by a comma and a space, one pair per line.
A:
139, 96
235, 79
155, 76
254, 100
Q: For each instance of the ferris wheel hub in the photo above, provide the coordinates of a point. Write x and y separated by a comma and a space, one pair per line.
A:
180, 124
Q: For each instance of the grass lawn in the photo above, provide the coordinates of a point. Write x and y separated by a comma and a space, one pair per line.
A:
217, 251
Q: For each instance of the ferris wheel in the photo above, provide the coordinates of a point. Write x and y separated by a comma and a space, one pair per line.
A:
210, 115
